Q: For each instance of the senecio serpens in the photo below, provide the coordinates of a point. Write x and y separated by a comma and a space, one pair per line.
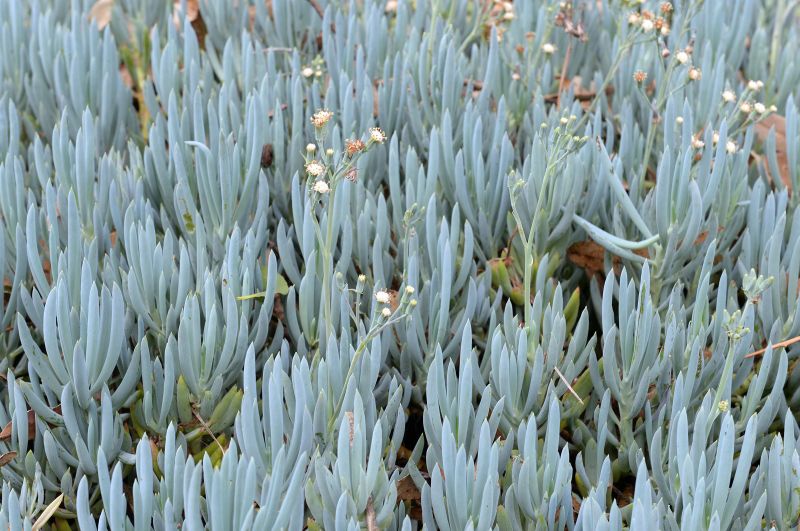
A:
399, 265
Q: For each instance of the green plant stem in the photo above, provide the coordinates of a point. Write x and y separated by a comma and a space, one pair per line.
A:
327, 271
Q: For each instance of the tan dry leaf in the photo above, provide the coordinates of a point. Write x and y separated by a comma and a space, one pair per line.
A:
763, 128
100, 12
7, 457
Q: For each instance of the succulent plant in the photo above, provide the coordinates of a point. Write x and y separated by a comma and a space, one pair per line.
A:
399, 265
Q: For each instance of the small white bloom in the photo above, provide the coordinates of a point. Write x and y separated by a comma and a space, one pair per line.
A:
548, 48
760, 108
773, 108
682, 57
679, 120
362, 278
564, 120
386, 312
647, 25
307, 71
665, 30
329, 152
410, 289
753, 85
724, 405
745, 107
730, 146
698, 144
321, 187
508, 16
311, 148
314, 168
728, 96
695, 74
715, 137
377, 135
633, 19
382, 297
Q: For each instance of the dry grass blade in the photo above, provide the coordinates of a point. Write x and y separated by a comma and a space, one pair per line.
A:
782, 344
571, 390
48, 512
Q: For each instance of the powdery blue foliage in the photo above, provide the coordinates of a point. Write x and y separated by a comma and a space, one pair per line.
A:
378, 264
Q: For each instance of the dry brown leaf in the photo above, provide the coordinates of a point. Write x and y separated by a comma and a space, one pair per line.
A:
372, 521
590, 256
407, 490
763, 128
7, 457
100, 12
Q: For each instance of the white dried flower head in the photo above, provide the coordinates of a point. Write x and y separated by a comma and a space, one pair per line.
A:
386, 312
760, 108
321, 118
412, 302
383, 297
730, 146
314, 168
753, 85
515, 76
318, 73
508, 6
410, 290
724, 405
745, 107
377, 135
665, 53
695, 74
307, 71
311, 148
728, 96
548, 48
682, 57
564, 120
391, 6
321, 187
715, 137
508, 16
679, 120
633, 19
362, 278
773, 108
647, 25
329, 152
665, 30
698, 144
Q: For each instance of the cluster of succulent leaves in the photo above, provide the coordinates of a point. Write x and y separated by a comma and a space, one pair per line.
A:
592, 282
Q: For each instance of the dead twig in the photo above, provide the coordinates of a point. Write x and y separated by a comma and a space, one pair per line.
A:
571, 390
782, 344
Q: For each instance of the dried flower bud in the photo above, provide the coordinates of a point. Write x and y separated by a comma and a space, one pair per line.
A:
383, 297
665, 53
508, 16
730, 146
329, 152
314, 168
639, 76
698, 144
564, 120
728, 96
715, 137
647, 25
745, 107
682, 57
723, 406
773, 108
679, 120
307, 71
755, 86
548, 48
362, 278
311, 148
352, 147
666, 7
321, 187
351, 175
412, 302
695, 74
410, 290
386, 312
665, 30
633, 19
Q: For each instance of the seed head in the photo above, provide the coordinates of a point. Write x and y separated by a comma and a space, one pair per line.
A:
760, 108
682, 57
666, 7
728, 96
773, 108
695, 74
362, 278
307, 71
382, 297
639, 76
410, 289
679, 120
745, 107
548, 48
386, 312
715, 137
311, 148
647, 25
633, 19
730, 147
755, 86
698, 144
665, 30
